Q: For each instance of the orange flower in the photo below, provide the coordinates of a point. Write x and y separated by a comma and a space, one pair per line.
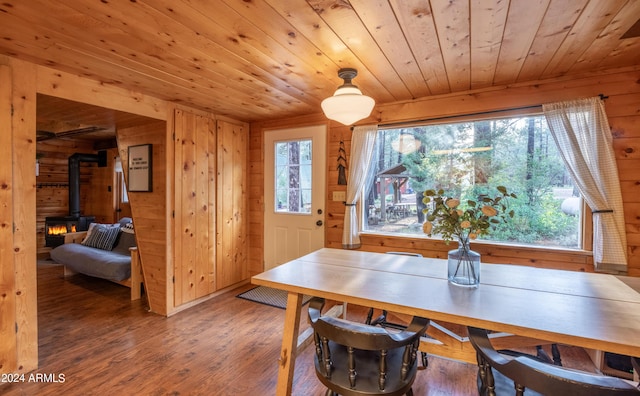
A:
489, 211
453, 202
426, 227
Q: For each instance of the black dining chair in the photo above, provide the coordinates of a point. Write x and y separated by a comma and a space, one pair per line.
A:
501, 374
357, 359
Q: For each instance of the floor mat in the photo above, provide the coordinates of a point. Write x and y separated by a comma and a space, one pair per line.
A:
269, 296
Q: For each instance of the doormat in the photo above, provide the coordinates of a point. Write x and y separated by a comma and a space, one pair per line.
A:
269, 296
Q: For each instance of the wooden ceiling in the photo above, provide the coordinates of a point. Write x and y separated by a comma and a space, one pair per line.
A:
267, 59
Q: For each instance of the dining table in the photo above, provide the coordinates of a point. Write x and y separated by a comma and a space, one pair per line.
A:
592, 310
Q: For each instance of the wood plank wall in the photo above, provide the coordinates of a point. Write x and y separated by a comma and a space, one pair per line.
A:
149, 210
195, 198
623, 109
231, 238
100, 198
20, 82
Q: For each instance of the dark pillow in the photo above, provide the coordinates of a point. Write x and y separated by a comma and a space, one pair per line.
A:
102, 237
125, 241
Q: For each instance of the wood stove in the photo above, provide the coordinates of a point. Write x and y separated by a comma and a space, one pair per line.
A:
56, 227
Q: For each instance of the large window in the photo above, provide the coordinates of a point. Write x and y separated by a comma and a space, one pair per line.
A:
467, 159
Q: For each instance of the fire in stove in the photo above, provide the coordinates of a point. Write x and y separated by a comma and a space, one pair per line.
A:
60, 229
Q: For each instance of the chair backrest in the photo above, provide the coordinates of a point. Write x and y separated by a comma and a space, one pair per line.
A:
355, 358
548, 379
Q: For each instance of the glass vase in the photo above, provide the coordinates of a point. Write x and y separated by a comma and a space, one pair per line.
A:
464, 265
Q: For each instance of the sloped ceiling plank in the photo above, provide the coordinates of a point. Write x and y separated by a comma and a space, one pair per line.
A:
224, 26
108, 62
597, 14
379, 19
452, 25
154, 46
523, 22
609, 39
343, 20
488, 20
558, 21
200, 55
627, 51
69, 60
313, 27
301, 50
416, 21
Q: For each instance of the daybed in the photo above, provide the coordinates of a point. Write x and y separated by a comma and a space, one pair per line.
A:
106, 251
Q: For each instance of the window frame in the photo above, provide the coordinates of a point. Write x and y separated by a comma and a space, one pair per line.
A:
585, 228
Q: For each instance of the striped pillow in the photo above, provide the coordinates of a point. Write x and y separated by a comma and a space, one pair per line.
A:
102, 237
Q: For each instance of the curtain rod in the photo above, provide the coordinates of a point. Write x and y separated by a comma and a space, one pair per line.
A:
392, 124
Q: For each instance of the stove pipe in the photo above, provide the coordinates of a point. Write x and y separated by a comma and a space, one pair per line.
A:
74, 177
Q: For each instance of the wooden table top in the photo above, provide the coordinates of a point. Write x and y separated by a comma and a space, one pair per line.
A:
597, 311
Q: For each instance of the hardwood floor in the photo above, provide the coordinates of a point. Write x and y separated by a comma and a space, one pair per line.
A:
95, 341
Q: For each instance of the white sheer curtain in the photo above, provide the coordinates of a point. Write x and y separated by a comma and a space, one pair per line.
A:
581, 131
363, 141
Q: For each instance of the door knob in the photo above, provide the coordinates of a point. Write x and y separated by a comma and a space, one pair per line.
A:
319, 222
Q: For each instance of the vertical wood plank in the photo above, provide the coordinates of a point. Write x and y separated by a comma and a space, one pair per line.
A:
187, 211
8, 341
177, 220
231, 236
225, 207
24, 217
170, 196
240, 184
213, 202
201, 163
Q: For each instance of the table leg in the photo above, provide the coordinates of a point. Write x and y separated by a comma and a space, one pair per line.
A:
286, 362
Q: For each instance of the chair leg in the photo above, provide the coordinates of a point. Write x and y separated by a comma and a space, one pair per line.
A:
542, 354
425, 360
555, 352
369, 316
380, 320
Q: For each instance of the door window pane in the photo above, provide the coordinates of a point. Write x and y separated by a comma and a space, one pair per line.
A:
293, 176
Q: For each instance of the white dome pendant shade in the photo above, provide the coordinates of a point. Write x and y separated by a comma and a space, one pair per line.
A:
347, 105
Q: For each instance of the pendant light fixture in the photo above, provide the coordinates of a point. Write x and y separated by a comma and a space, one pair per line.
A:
347, 105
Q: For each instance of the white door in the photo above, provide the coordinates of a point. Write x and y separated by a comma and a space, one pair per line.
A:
294, 193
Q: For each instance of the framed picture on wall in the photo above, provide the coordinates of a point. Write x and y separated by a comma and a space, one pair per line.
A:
140, 168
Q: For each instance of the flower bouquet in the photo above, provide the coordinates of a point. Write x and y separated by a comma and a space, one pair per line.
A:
453, 220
